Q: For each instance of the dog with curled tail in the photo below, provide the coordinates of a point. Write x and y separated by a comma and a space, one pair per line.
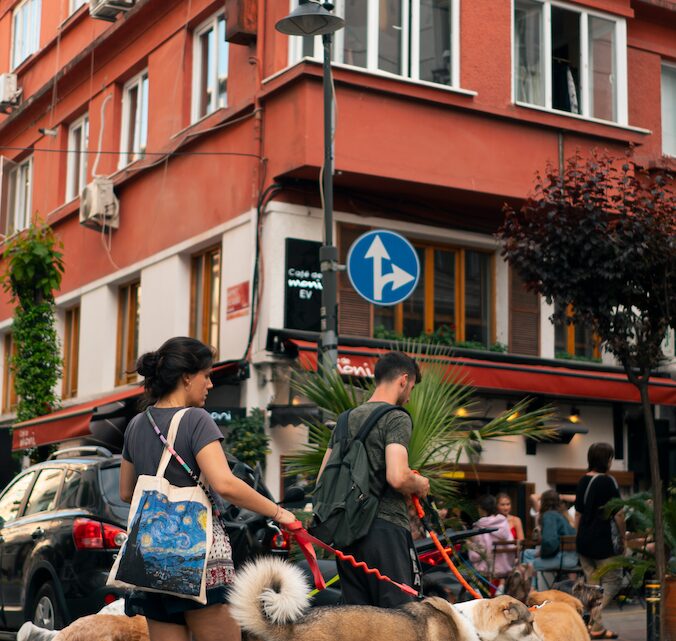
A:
270, 601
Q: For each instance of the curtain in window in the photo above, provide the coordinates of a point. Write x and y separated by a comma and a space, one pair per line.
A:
529, 77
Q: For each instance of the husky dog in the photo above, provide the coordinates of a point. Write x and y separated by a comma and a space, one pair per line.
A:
269, 600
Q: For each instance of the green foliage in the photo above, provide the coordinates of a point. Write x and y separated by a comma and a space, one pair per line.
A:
601, 236
443, 335
34, 267
440, 435
247, 439
641, 521
577, 357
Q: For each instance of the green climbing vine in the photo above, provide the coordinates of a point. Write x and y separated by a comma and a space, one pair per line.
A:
247, 439
34, 267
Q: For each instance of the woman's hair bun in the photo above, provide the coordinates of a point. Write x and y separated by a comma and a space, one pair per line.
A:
147, 364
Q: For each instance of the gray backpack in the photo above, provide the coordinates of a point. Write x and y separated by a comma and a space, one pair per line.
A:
344, 506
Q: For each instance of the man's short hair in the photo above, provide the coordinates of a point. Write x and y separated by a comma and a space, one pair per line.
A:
392, 365
599, 456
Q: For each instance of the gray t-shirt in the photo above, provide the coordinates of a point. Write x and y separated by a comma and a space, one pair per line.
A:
143, 447
394, 427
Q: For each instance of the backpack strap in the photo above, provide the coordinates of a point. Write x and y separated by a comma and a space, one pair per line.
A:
341, 430
372, 421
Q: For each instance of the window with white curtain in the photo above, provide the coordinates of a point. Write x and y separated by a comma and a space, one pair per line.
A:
570, 59
25, 30
17, 209
210, 67
134, 119
78, 142
417, 39
669, 110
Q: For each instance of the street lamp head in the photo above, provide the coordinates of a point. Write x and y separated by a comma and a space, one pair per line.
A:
310, 19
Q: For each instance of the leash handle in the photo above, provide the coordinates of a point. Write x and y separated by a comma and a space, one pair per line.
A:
305, 540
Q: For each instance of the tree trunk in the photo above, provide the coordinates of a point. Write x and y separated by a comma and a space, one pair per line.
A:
656, 482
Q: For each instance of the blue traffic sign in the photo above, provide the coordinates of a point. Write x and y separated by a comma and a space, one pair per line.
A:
383, 267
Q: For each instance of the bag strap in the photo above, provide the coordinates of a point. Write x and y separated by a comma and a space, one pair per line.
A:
169, 451
586, 492
372, 421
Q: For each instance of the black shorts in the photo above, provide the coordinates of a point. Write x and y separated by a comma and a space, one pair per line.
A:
389, 548
170, 609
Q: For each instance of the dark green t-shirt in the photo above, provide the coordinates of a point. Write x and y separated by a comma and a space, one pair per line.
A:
394, 427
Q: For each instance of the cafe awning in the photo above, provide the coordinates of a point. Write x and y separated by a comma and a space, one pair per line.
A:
74, 421
68, 423
508, 377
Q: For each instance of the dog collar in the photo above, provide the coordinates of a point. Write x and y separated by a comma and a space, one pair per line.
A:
537, 607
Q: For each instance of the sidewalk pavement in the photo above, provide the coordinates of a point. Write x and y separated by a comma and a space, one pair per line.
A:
629, 623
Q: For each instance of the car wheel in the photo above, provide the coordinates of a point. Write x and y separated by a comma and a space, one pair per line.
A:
46, 611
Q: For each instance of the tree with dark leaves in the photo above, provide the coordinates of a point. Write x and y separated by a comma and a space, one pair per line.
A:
599, 237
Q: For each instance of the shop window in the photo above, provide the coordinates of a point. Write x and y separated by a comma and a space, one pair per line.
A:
134, 119
71, 340
16, 187
574, 340
78, 142
454, 298
210, 69
571, 60
9, 397
411, 38
205, 296
128, 320
25, 30
669, 110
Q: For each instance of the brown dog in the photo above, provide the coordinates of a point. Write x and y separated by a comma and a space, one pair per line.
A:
106, 627
555, 596
558, 622
269, 600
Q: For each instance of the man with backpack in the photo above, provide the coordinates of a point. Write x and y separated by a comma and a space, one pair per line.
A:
363, 484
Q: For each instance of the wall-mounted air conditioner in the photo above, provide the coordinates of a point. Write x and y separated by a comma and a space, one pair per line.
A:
99, 206
9, 90
108, 9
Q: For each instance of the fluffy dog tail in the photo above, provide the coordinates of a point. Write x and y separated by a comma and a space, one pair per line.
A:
267, 594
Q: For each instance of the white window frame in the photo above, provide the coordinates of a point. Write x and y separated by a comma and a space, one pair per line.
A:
21, 213
76, 4
23, 50
410, 51
672, 67
73, 190
620, 52
211, 23
140, 141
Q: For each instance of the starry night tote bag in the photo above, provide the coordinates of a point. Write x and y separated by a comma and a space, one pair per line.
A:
169, 535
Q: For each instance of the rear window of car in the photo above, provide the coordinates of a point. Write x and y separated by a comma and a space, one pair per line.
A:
110, 485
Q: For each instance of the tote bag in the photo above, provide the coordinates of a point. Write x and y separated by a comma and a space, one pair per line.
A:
169, 535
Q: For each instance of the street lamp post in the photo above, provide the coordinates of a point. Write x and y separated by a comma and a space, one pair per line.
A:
314, 19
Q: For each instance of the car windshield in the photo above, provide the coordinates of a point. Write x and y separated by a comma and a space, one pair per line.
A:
110, 485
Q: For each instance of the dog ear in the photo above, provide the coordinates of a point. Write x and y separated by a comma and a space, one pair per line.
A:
517, 611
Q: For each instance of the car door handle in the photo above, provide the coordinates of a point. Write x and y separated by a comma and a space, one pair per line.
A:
38, 533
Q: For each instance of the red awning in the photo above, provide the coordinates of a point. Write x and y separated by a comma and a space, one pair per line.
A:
68, 423
546, 380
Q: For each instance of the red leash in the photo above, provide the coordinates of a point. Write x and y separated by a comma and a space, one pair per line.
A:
305, 541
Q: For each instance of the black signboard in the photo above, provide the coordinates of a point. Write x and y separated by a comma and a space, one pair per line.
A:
302, 285
223, 416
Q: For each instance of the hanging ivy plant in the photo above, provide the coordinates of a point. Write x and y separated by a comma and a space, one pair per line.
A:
34, 267
247, 439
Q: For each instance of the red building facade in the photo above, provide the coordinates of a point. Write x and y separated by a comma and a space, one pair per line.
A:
208, 122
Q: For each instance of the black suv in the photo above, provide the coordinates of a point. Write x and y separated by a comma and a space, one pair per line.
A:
61, 524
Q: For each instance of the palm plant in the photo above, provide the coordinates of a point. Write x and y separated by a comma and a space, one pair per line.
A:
441, 407
640, 514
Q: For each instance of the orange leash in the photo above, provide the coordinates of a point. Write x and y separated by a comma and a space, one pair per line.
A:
444, 554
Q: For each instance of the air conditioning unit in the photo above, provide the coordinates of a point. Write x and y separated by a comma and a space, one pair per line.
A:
9, 90
99, 206
108, 9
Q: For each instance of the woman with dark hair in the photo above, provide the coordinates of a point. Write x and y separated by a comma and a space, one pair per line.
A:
595, 532
177, 376
553, 525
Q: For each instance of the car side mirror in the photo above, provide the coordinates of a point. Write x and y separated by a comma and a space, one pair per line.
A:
294, 494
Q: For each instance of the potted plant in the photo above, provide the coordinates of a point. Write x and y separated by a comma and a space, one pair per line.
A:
640, 560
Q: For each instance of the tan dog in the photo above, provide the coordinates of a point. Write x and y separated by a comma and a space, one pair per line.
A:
269, 600
559, 622
105, 627
555, 596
